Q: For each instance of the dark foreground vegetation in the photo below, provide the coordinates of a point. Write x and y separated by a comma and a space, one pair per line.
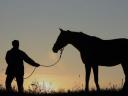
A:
104, 92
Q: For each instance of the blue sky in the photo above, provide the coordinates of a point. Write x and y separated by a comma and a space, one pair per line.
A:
35, 24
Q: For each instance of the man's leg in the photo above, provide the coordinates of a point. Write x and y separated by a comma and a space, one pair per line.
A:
8, 82
19, 80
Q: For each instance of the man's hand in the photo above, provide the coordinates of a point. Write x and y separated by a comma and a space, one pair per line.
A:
37, 65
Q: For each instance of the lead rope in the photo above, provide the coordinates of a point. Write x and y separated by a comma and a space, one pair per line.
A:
61, 51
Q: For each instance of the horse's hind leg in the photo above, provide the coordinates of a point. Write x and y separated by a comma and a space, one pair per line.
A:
95, 72
125, 69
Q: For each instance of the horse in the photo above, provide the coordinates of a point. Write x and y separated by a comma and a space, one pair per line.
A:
95, 52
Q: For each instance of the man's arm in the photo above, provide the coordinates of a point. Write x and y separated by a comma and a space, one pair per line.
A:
27, 59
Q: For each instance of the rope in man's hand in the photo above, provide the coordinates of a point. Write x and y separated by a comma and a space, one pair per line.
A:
61, 51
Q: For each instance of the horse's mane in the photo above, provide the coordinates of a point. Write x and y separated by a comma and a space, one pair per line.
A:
89, 36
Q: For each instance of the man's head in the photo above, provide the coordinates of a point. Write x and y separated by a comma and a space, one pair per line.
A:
15, 44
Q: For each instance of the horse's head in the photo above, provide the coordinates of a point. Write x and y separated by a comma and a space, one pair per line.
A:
61, 41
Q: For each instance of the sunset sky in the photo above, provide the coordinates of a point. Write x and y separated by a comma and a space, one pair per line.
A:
35, 24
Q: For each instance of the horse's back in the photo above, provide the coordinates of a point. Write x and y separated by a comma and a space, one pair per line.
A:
119, 44
108, 52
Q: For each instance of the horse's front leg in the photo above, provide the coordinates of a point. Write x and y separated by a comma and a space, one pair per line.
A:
88, 71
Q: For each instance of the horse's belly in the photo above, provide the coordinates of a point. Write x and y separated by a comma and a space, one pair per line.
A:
108, 64
108, 61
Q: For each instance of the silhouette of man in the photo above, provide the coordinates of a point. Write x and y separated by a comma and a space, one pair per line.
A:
15, 68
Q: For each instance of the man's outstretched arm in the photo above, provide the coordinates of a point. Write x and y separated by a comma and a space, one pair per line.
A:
29, 60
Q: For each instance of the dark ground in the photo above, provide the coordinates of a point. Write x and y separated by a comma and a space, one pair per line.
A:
104, 92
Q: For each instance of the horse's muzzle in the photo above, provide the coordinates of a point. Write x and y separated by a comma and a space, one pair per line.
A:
54, 50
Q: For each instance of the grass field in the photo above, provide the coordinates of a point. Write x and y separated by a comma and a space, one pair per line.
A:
37, 90
103, 92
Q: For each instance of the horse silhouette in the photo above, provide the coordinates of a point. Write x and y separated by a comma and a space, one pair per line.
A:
96, 52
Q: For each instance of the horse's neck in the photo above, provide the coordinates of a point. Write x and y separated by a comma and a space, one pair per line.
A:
82, 41
78, 40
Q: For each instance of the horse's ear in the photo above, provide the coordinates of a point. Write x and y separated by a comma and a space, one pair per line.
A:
61, 29
68, 31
